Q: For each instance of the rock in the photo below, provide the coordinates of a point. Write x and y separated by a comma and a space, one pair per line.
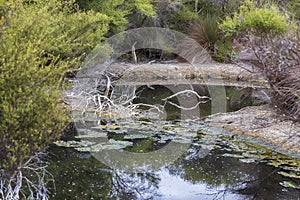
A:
263, 124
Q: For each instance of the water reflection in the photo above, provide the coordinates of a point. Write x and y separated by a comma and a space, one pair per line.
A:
230, 178
135, 186
80, 176
213, 166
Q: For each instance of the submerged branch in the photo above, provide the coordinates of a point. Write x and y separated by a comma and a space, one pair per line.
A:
33, 174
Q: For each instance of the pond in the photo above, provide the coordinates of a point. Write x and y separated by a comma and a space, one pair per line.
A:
147, 157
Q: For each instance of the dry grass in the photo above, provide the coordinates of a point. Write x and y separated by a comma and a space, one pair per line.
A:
197, 47
280, 64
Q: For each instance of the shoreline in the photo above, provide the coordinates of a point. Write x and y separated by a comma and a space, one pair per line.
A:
263, 124
258, 122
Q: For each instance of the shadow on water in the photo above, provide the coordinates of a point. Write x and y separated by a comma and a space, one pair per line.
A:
214, 166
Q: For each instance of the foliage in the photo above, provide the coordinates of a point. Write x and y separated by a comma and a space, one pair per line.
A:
187, 14
38, 43
224, 52
266, 18
207, 33
200, 21
4, 6
118, 10
294, 7
274, 41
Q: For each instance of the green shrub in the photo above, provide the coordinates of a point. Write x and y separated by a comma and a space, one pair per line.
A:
225, 53
118, 10
294, 7
38, 44
266, 18
186, 15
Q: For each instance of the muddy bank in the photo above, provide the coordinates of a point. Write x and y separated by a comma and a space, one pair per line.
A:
261, 123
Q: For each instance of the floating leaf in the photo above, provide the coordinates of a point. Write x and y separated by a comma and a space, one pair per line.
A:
86, 133
247, 160
110, 127
135, 136
166, 137
291, 175
232, 155
99, 147
94, 135
124, 143
289, 184
110, 145
73, 143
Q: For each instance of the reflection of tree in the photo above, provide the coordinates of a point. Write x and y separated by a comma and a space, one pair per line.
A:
77, 175
153, 95
80, 176
229, 175
267, 186
213, 169
134, 186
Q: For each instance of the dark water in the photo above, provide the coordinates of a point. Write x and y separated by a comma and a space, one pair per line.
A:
215, 175
193, 161
230, 98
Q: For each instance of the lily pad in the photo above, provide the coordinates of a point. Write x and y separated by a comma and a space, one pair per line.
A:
135, 136
73, 143
248, 160
289, 184
124, 143
110, 127
87, 133
291, 174
110, 145
233, 155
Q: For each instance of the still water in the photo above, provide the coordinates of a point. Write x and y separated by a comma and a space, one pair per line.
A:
148, 158
231, 169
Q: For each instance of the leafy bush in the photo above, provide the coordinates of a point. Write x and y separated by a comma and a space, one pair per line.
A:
39, 42
295, 8
207, 33
118, 10
276, 45
259, 20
